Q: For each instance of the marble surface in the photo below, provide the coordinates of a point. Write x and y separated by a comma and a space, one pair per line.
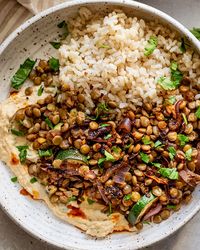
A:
14, 238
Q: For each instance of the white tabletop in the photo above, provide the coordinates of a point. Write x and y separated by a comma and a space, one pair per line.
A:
187, 238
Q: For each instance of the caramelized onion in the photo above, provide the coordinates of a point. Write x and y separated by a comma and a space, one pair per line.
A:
125, 125
153, 212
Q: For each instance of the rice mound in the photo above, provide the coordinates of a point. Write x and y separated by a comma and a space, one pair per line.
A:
107, 53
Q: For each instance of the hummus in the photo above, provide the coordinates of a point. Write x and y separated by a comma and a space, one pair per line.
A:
88, 217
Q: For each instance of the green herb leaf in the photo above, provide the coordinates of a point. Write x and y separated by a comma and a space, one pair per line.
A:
104, 46
45, 153
14, 179
156, 164
152, 44
71, 154
146, 140
182, 46
107, 136
174, 65
17, 132
22, 153
73, 198
49, 123
171, 100
104, 125
144, 157
33, 180
185, 119
171, 206
54, 64
116, 149
183, 139
196, 32
157, 144
90, 202
176, 75
56, 45
188, 154
172, 152
22, 73
146, 222
167, 84
170, 173
40, 90
108, 157
127, 197
197, 113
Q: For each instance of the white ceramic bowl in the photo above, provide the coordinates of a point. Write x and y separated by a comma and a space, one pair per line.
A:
32, 39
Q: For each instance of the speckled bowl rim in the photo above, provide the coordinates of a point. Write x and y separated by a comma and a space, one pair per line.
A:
137, 5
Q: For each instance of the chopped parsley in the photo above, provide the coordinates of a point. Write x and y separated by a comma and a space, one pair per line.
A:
156, 164
171, 100
127, 197
146, 222
73, 198
45, 153
33, 180
63, 25
17, 132
197, 113
174, 81
146, 140
171, 206
49, 123
170, 173
188, 154
185, 119
144, 157
54, 64
104, 125
14, 179
108, 157
152, 44
56, 45
90, 202
116, 149
40, 90
22, 153
172, 152
22, 73
196, 32
107, 136
183, 139
157, 144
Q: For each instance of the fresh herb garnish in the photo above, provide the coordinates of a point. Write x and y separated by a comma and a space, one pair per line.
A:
22, 73
185, 119
183, 139
33, 180
14, 179
197, 113
157, 144
156, 164
107, 136
22, 153
101, 108
56, 45
104, 125
182, 46
127, 197
188, 154
54, 64
49, 123
108, 157
196, 32
174, 81
172, 152
146, 140
171, 206
73, 198
152, 44
40, 90
146, 222
90, 202
45, 153
17, 132
104, 46
116, 149
144, 157
171, 100
170, 173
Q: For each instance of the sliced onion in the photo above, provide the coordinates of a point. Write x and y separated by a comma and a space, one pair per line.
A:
153, 211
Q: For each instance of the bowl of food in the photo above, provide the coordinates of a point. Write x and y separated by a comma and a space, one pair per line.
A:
100, 110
